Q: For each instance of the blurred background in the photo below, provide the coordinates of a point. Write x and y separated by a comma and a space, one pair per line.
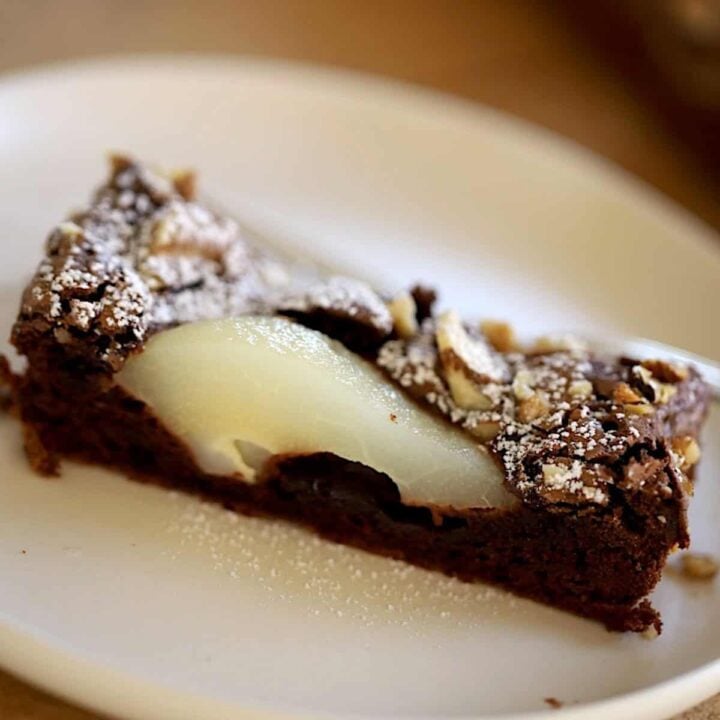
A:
637, 81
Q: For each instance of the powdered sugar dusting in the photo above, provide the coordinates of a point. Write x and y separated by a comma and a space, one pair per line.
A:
142, 256
146, 255
325, 579
560, 452
343, 296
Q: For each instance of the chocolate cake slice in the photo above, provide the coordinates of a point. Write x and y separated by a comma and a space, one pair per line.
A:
160, 342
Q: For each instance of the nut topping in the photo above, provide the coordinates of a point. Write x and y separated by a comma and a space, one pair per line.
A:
403, 310
474, 352
522, 385
623, 394
687, 449
570, 482
559, 343
580, 389
666, 371
485, 431
499, 334
659, 392
468, 363
464, 389
532, 408
639, 409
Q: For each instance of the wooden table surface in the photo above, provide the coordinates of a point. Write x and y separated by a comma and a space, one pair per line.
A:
518, 55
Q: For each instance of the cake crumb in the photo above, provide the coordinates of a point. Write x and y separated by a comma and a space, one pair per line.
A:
554, 703
393, 417
699, 566
41, 460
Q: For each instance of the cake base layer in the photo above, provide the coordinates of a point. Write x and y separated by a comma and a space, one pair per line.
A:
599, 565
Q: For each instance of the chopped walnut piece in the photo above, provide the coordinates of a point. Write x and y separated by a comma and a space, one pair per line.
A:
404, 314
580, 389
119, 163
687, 449
532, 408
468, 363
639, 409
699, 566
499, 334
558, 343
465, 390
184, 182
644, 381
183, 228
474, 352
485, 431
522, 385
572, 482
665, 371
623, 394
67, 230
660, 393
553, 474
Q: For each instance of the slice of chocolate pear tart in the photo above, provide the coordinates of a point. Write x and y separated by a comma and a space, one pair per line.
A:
160, 342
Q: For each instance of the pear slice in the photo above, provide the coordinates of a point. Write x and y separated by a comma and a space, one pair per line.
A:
238, 390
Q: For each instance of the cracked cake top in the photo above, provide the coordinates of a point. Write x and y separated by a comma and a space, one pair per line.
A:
147, 255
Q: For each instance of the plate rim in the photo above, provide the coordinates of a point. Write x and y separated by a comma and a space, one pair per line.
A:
61, 669
677, 693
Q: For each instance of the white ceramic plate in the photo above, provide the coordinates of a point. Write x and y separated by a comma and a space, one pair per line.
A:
149, 605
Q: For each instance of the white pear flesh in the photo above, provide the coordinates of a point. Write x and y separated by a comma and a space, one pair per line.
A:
238, 390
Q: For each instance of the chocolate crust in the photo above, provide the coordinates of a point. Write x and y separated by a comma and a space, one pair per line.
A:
144, 256
591, 447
